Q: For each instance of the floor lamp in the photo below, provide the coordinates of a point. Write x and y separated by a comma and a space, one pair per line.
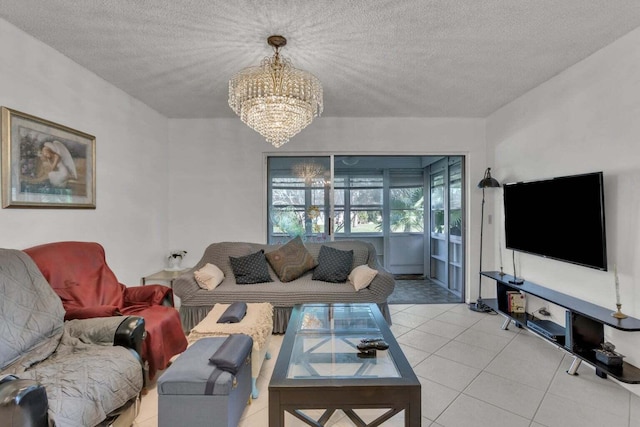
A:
485, 182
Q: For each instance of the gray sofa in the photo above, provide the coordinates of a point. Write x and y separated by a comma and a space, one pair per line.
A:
197, 302
67, 374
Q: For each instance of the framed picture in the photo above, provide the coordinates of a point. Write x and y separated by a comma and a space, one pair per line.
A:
46, 165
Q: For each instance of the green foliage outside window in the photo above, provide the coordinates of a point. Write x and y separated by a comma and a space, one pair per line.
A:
288, 220
455, 222
407, 210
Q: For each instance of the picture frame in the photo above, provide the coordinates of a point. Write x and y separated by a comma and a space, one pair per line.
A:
45, 164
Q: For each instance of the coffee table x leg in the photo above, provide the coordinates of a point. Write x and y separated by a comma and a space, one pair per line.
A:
410, 406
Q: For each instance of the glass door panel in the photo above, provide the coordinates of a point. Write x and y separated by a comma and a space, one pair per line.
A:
299, 198
438, 269
455, 226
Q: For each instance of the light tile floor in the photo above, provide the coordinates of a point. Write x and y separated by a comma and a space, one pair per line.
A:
473, 373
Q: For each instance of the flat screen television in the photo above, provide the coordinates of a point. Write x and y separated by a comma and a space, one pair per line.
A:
560, 218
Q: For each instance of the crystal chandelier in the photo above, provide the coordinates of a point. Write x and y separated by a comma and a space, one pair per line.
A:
275, 99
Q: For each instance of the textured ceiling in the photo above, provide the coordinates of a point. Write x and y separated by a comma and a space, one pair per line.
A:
401, 58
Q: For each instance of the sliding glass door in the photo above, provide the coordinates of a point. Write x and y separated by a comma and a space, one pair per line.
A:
409, 207
446, 257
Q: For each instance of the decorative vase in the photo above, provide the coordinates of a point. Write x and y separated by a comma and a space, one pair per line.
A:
174, 263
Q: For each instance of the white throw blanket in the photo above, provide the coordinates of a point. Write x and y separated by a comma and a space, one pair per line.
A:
257, 323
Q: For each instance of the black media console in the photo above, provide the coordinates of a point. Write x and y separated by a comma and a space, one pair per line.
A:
584, 327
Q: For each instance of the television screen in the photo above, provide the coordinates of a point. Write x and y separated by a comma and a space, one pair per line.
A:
560, 218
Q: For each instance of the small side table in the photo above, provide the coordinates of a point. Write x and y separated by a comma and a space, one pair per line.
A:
163, 276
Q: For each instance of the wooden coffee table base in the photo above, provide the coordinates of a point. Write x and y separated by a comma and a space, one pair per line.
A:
347, 399
319, 368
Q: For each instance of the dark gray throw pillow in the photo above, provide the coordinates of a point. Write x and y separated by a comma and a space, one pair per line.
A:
334, 265
250, 269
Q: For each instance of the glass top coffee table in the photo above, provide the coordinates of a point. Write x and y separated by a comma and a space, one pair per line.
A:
319, 367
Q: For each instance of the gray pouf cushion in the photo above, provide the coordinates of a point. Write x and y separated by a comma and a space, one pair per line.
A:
182, 387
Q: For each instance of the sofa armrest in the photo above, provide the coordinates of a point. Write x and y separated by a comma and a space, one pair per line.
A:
148, 294
131, 333
99, 330
127, 331
185, 284
383, 284
23, 403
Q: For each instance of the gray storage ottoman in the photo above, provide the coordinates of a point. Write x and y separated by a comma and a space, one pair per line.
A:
181, 389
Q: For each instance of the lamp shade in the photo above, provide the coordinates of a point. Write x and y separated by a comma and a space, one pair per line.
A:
488, 180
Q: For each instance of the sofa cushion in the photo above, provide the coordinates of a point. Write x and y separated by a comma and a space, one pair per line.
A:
361, 276
251, 268
334, 265
209, 276
86, 381
291, 261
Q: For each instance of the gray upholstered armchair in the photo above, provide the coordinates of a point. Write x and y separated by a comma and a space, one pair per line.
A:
52, 372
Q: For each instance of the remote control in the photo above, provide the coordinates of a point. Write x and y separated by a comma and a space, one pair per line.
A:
375, 345
366, 340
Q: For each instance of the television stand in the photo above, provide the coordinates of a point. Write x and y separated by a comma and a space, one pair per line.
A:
583, 331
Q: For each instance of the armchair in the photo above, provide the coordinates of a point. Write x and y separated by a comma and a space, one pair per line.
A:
52, 372
79, 274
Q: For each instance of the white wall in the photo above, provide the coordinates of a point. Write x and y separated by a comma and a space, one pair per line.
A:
586, 119
130, 220
182, 184
218, 175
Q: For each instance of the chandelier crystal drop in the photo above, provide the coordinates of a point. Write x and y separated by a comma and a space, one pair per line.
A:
276, 99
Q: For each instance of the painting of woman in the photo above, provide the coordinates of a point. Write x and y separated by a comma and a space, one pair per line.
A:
62, 165
45, 164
